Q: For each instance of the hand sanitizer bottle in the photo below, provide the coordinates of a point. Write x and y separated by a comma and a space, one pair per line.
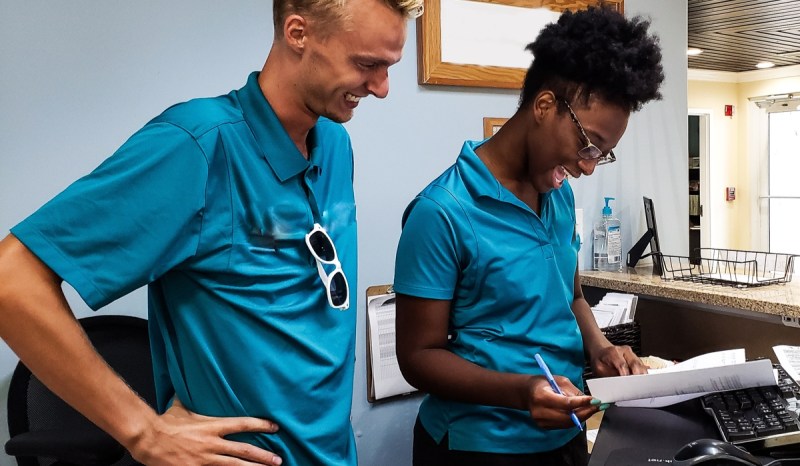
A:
607, 242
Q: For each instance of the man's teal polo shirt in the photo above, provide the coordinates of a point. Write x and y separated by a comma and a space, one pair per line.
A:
209, 204
510, 276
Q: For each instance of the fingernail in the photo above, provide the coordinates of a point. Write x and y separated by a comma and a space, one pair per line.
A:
595, 402
277, 461
604, 406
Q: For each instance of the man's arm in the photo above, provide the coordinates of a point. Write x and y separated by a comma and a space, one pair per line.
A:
38, 325
606, 359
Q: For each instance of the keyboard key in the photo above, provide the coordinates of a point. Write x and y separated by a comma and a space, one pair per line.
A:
769, 430
740, 435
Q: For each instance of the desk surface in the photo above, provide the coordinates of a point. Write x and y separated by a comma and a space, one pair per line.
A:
780, 300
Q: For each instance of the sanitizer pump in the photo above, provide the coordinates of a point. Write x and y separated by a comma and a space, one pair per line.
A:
607, 242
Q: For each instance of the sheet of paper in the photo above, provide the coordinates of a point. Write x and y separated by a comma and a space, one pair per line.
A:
715, 359
619, 311
603, 318
693, 381
658, 401
623, 306
387, 378
719, 358
789, 358
630, 301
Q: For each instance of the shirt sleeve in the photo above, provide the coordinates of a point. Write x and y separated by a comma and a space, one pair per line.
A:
427, 263
129, 221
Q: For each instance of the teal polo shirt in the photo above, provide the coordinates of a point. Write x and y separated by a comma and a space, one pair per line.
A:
209, 205
509, 274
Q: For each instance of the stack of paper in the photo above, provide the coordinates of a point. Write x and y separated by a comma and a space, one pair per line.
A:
614, 309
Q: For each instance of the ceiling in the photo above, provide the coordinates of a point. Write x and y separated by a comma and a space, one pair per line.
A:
736, 34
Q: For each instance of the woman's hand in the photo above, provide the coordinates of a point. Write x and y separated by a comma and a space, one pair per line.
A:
551, 410
616, 360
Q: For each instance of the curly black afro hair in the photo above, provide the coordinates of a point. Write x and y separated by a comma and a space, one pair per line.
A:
596, 51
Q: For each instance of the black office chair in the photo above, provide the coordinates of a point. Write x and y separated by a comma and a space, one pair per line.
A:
45, 431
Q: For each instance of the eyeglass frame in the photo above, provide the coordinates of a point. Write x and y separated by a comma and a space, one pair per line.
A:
602, 159
323, 275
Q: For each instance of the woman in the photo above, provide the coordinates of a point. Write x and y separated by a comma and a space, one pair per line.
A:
487, 266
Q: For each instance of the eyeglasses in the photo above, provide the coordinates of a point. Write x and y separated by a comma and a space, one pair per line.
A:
323, 250
590, 152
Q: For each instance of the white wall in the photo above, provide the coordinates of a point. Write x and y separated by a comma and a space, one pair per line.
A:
79, 77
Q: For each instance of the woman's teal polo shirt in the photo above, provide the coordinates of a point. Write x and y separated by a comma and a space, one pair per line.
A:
209, 204
510, 276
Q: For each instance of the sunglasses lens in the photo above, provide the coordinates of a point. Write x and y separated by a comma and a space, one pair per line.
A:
338, 289
322, 246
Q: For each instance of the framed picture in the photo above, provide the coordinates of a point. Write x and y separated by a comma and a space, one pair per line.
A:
481, 43
491, 125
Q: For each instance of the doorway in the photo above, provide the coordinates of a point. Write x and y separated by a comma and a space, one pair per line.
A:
783, 189
698, 164
779, 199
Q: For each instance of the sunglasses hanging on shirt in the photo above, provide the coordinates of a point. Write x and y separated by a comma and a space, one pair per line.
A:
321, 247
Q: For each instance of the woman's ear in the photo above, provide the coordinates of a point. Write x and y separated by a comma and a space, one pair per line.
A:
543, 105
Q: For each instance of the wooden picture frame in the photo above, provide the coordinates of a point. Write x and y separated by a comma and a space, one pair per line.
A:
432, 70
491, 125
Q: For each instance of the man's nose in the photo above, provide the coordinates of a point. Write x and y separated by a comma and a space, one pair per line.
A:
378, 84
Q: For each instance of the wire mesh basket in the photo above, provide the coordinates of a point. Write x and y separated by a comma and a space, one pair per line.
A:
730, 267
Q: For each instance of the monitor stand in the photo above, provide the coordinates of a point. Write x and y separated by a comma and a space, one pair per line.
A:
636, 253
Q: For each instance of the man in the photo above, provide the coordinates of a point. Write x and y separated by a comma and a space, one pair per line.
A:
487, 265
238, 213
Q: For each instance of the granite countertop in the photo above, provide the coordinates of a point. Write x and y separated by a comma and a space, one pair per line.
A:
778, 299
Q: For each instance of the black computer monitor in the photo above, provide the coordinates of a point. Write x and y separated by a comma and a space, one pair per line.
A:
650, 237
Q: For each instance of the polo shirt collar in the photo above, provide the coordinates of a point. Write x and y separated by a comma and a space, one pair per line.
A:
477, 177
481, 182
277, 147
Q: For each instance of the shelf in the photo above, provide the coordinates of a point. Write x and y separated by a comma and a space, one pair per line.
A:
694, 208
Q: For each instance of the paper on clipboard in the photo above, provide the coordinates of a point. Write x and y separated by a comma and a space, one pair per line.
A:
680, 385
384, 378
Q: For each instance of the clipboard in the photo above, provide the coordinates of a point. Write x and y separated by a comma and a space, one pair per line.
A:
384, 379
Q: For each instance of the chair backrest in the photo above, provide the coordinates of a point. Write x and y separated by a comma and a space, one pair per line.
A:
32, 408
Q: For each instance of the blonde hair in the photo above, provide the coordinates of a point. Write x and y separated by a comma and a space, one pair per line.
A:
332, 11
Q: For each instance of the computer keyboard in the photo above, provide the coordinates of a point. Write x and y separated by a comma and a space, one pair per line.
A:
758, 418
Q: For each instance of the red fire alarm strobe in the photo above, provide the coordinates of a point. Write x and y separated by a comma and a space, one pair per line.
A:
730, 193
729, 110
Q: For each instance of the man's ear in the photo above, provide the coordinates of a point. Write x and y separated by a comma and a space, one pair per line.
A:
295, 29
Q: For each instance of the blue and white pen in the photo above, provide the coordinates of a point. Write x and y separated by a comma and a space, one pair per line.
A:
554, 385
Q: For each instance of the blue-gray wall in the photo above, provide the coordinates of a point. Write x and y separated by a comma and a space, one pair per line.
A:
78, 77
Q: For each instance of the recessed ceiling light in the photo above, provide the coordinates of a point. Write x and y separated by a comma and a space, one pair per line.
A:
765, 64
692, 51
